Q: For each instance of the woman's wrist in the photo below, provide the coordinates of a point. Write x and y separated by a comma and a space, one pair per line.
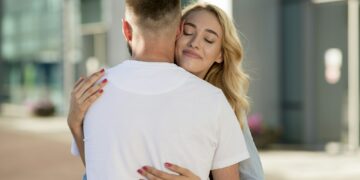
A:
74, 125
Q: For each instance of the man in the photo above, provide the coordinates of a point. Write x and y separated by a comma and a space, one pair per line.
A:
154, 112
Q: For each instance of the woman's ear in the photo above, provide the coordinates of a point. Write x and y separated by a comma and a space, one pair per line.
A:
219, 59
126, 29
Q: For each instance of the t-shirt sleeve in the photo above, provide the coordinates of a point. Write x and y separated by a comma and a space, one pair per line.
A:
231, 147
74, 149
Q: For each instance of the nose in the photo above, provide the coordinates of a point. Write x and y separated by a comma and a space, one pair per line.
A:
195, 42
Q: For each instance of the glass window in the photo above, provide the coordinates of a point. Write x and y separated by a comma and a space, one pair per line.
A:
186, 2
31, 50
31, 28
91, 11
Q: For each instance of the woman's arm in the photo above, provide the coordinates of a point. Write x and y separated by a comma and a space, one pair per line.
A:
78, 136
183, 173
83, 95
227, 173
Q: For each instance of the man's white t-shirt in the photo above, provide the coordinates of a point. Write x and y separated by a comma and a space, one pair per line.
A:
151, 113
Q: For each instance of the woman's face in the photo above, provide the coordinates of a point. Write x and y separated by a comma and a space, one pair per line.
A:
199, 47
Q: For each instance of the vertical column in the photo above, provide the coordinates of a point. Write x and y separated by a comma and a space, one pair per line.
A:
117, 49
309, 129
71, 45
353, 70
1, 16
2, 88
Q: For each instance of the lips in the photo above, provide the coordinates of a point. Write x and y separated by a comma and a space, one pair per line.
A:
191, 54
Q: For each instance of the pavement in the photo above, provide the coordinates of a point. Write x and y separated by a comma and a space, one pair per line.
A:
308, 165
39, 149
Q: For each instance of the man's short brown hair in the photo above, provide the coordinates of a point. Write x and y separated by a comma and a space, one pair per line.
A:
152, 14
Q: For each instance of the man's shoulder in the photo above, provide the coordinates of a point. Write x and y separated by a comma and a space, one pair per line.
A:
115, 68
203, 85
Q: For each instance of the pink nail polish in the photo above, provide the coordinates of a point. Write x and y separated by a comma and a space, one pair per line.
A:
168, 164
102, 70
139, 171
101, 91
104, 81
145, 168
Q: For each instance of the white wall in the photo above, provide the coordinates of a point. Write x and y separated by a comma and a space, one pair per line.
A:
258, 21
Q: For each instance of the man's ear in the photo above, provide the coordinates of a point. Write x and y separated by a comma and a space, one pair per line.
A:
126, 29
180, 30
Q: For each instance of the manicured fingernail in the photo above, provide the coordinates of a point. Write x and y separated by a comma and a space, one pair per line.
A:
104, 81
101, 91
102, 70
145, 168
139, 171
168, 164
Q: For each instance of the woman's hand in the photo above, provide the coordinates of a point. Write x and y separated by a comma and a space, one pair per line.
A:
84, 93
151, 173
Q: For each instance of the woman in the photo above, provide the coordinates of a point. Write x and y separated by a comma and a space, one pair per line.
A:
210, 34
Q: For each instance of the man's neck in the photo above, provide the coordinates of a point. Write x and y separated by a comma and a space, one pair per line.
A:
151, 57
153, 51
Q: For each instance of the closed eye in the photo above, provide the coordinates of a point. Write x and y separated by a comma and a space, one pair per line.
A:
188, 29
187, 33
209, 41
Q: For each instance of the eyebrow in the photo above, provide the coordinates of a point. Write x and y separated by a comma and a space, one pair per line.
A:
208, 30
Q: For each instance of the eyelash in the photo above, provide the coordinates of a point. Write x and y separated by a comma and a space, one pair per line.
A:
187, 34
208, 41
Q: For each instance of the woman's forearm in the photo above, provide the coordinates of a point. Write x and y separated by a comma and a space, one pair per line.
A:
228, 173
78, 134
85, 92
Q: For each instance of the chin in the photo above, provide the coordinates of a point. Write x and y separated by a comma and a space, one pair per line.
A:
189, 67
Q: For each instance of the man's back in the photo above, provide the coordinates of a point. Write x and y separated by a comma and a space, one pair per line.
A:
152, 113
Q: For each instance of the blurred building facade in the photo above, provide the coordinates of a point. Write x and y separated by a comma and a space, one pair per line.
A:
297, 55
47, 44
30, 51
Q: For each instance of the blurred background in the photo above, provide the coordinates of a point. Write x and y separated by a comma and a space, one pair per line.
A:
302, 56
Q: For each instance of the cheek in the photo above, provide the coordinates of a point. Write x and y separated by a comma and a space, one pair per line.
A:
212, 54
180, 44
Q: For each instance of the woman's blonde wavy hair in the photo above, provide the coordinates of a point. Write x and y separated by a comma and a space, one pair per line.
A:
228, 75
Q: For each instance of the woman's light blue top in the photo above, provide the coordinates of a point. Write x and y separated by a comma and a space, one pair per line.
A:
251, 169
